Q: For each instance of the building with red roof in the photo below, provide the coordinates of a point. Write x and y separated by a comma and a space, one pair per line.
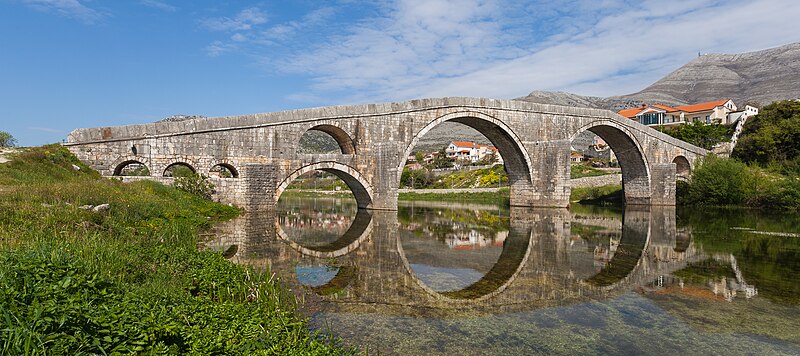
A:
718, 112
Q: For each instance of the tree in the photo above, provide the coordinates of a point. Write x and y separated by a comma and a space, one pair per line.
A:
700, 134
772, 136
419, 156
6, 140
441, 160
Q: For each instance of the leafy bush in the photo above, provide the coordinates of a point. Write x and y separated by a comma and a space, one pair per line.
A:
771, 136
196, 184
700, 134
6, 140
722, 181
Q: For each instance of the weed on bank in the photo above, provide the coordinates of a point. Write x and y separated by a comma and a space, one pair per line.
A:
80, 277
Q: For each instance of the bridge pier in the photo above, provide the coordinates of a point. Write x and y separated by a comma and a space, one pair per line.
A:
662, 183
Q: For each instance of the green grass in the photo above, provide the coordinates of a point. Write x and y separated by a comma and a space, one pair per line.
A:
130, 279
501, 196
580, 171
602, 195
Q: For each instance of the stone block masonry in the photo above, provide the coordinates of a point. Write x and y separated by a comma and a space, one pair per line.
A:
262, 150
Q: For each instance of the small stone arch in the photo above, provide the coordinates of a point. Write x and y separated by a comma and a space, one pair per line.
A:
361, 189
683, 168
224, 166
630, 155
170, 167
346, 143
508, 144
119, 169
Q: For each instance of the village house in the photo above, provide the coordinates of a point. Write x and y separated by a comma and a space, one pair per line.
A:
470, 152
713, 112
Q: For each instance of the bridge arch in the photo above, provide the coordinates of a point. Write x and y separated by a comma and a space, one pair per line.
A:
361, 189
508, 144
224, 166
683, 168
176, 165
630, 155
345, 142
126, 162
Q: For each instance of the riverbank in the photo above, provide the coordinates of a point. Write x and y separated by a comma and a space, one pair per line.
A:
91, 265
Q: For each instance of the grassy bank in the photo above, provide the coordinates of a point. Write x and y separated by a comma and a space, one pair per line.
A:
499, 197
129, 278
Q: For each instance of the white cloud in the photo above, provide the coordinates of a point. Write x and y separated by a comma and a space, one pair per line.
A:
156, 4
244, 20
218, 48
45, 129
479, 48
68, 8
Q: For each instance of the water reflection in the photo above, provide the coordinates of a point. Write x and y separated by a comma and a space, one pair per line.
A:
431, 267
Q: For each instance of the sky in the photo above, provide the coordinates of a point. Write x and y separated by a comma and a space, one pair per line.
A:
66, 64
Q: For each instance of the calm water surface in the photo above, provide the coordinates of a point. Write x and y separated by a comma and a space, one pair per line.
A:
453, 278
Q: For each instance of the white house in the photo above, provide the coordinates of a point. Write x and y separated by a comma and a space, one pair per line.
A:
470, 151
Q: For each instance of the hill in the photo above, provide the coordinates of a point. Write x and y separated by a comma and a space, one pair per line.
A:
758, 77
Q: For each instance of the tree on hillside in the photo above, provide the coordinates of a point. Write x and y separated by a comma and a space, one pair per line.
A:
771, 136
6, 140
700, 134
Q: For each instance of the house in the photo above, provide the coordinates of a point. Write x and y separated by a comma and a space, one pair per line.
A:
470, 151
716, 112
576, 157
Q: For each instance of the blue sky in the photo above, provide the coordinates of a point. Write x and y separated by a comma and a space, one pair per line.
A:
66, 64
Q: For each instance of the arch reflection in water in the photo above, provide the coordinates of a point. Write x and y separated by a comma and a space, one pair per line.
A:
460, 253
322, 227
627, 253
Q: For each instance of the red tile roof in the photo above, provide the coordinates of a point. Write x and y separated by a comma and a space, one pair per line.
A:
464, 144
702, 106
630, 113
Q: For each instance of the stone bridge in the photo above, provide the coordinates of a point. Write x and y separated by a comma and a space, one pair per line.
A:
262, 150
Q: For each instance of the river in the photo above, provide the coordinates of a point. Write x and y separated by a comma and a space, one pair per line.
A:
460, 278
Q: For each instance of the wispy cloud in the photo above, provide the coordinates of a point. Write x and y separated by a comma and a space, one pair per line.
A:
160, 5
244, 20
45, 129
68, 8
504, 49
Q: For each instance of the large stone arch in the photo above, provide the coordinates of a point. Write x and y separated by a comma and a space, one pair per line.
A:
630, 155
361, 189
346, 143
507, 142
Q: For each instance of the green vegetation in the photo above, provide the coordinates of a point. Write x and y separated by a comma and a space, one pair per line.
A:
721, 182
127, 278
318, 180
602, 195
580, 170
501, 197
765, 170
196, 184
491, 177
700, 134
6, 140
772, 138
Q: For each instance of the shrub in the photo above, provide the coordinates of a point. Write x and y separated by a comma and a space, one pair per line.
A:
196, 184
718, 181
6, 140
